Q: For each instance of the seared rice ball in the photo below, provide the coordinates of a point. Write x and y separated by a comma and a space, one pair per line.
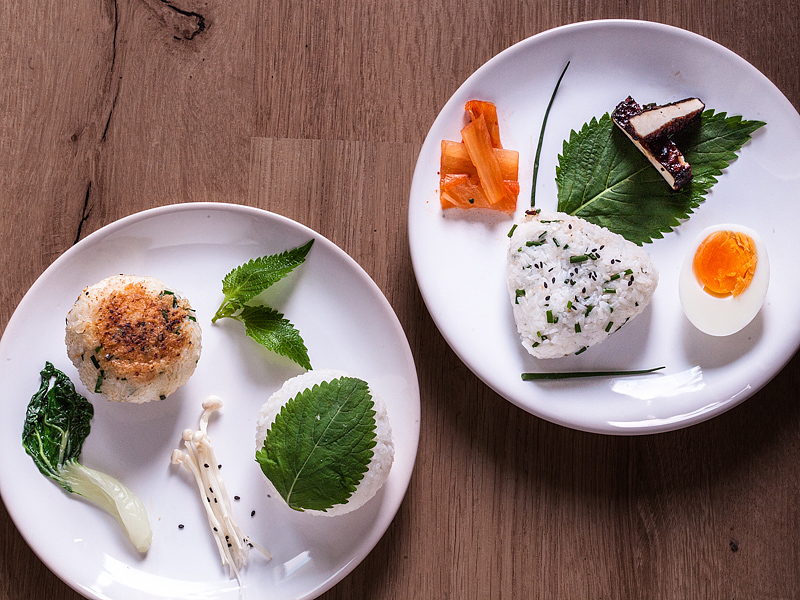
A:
133, 339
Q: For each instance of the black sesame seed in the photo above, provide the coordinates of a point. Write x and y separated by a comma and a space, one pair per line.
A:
252, 513
219, 466
205, 465
236, 498
215, 529
215, 500
180, 526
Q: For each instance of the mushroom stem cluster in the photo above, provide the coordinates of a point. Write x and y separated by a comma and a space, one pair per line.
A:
200, 460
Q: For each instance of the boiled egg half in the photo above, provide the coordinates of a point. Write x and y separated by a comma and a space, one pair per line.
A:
724, 279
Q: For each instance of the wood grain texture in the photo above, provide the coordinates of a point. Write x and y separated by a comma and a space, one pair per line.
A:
317, 110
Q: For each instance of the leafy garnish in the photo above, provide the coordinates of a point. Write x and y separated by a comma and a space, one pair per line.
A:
320, 445
271, 330
250, 279
265, 325
56, 425
603, 178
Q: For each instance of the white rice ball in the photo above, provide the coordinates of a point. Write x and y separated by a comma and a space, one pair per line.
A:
133, 339
572, 283
382, 454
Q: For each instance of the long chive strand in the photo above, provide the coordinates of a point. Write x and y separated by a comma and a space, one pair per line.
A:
577, 374
541, 137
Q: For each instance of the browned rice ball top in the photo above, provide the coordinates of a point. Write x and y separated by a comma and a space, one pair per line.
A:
141, 333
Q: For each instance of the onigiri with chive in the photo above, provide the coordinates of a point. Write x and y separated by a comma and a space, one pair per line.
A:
572, 283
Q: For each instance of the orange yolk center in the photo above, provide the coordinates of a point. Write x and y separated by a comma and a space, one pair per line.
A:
725, 262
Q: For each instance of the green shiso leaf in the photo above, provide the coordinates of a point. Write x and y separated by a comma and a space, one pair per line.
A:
603, 178
247, 281
268, 327
320, 445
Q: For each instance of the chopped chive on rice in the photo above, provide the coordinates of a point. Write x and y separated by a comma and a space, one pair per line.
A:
571, 293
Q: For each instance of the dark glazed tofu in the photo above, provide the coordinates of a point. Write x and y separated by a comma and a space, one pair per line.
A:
666, 120
649, 130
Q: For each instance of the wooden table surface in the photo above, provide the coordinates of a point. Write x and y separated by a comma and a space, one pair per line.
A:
317, 111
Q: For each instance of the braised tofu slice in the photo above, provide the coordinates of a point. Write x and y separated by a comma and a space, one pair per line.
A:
666, 120
660, 151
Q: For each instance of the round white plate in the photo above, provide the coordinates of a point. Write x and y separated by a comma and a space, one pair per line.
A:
346, 323
459, 255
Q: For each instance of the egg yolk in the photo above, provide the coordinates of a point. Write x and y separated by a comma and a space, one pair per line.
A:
725, 263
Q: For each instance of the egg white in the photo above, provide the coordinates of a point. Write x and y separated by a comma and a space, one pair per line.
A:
723, 316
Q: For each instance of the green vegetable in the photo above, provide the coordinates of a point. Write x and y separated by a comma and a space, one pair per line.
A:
56, 425
603, 178
262, 323
541, 135
578, 374
320, 445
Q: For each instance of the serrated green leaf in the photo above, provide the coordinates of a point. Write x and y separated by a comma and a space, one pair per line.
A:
247, 281
320, 445
603, 178
268, 327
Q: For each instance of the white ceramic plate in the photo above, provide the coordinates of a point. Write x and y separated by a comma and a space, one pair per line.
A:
346, 323
459, 256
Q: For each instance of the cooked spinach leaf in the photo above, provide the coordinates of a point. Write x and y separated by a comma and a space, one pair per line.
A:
56, 425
